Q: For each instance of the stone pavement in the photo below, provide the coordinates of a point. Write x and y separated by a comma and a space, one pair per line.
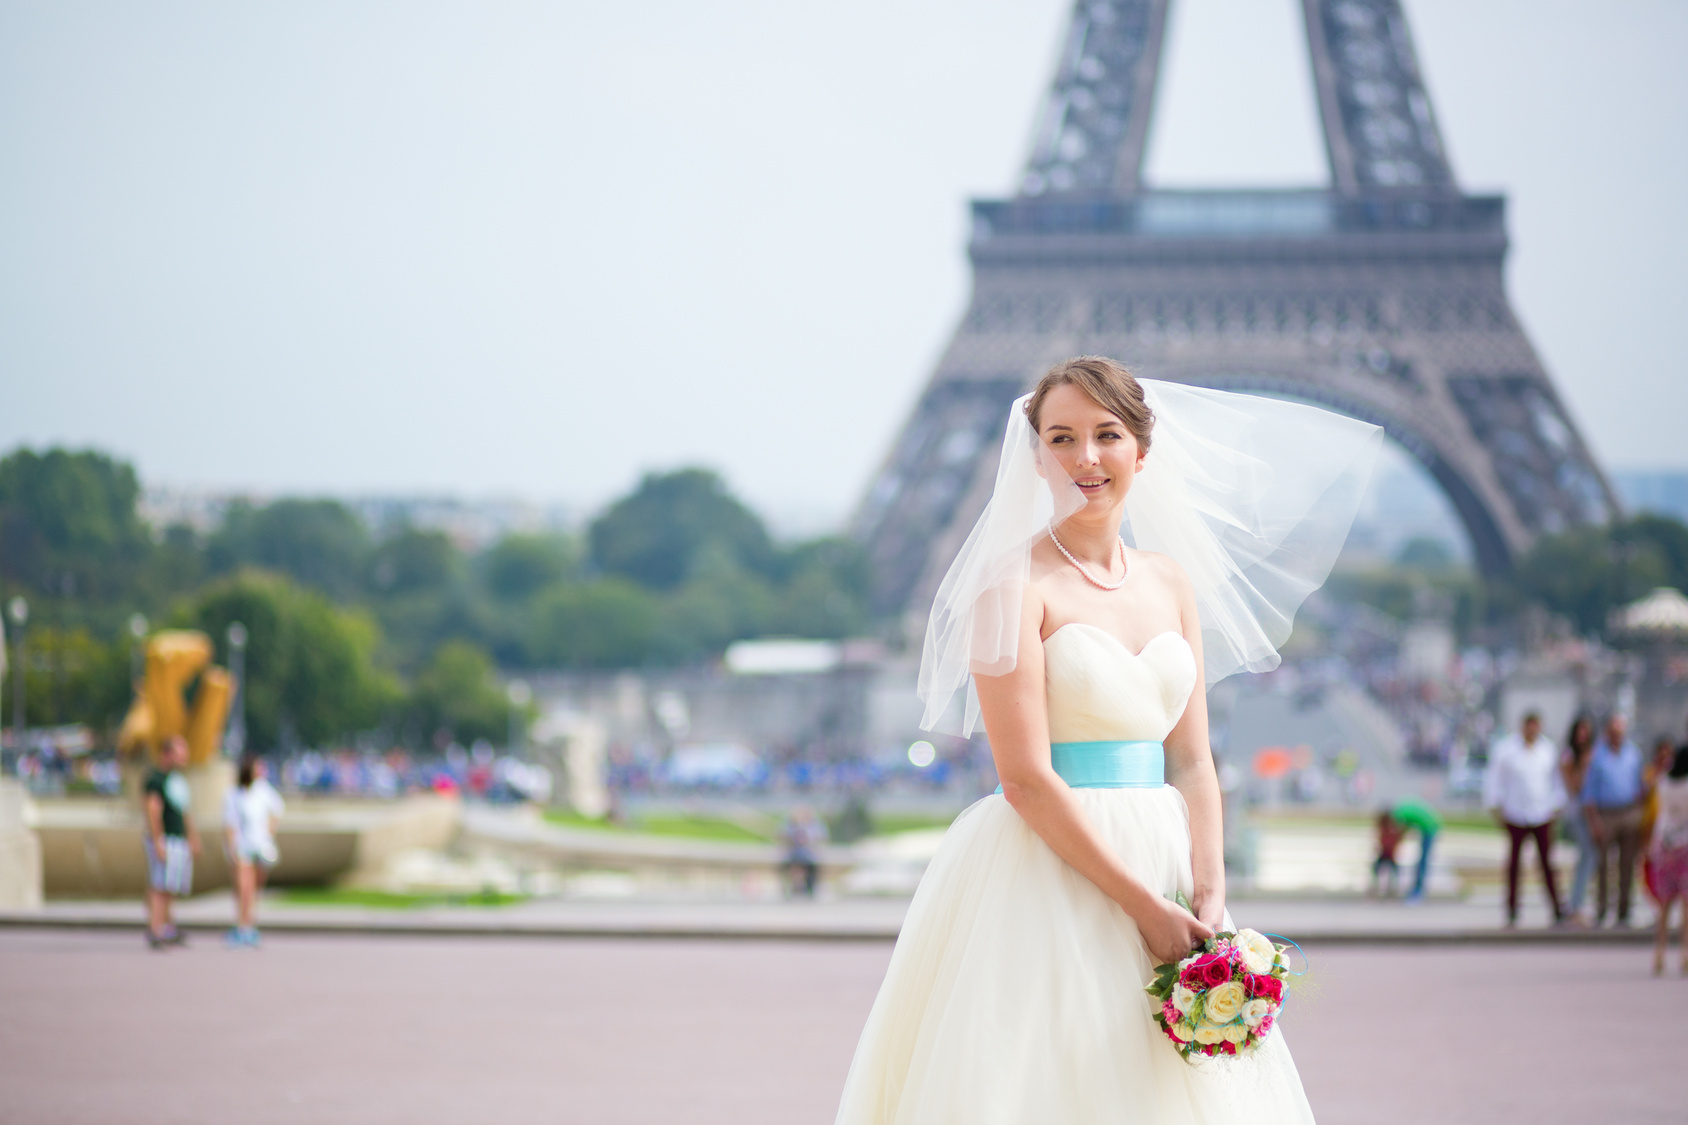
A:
1326, 919
374, 1029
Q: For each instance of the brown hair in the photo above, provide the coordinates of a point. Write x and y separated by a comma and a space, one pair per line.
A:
1105, 382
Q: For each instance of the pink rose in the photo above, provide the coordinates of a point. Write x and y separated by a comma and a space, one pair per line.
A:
1214, 969
1260, 984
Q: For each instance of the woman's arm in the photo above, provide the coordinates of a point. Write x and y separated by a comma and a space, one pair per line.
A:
1015, 709
1189, 769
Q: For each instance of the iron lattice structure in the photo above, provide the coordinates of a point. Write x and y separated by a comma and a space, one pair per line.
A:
1381, 296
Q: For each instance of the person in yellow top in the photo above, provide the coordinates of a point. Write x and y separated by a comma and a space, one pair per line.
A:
1664, 754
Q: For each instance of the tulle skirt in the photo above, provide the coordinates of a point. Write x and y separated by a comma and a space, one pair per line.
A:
1015, 994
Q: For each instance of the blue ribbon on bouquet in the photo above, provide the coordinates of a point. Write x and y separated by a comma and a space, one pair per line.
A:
1306, 963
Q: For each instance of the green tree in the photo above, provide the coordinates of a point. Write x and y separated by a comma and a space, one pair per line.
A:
825, 590
1587, 572
458, 692
309, 664
658, 535
519, 566
413, 561
607, 623
71, 677
721, 605
68, 524
319, 543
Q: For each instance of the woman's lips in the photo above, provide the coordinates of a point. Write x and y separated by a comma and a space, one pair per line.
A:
1092, 484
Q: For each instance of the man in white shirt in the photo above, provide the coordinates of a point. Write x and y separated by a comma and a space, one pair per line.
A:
1524, 791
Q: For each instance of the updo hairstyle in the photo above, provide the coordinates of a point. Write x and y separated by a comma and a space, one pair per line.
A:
1105, 382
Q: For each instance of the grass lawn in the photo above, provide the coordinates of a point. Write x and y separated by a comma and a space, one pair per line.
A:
1475, 820
751, 829
392, 900
762, 830
887, 824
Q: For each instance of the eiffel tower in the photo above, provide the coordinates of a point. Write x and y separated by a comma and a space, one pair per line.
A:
1381, 297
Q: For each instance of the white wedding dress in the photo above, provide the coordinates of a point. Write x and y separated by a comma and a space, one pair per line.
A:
1015, 994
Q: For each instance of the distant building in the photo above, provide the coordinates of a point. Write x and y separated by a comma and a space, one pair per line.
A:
471, 524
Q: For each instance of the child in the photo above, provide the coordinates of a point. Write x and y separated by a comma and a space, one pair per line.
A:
1389, 836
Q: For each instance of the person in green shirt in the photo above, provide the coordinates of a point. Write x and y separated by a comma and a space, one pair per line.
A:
172, 841
1414, 813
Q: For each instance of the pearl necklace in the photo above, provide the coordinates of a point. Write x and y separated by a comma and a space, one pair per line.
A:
1084, 570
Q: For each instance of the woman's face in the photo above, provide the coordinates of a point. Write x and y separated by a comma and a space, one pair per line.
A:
1091, 444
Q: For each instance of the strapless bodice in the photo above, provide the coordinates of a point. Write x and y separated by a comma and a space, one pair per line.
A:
1099, 690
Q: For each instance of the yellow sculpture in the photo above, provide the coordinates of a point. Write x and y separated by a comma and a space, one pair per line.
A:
161, 710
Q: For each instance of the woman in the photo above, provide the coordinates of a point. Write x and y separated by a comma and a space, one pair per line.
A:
250, 813
1573, 770
1664, 756
1668, 852
1015, 993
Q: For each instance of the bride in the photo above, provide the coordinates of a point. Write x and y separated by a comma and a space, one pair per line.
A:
1015, 993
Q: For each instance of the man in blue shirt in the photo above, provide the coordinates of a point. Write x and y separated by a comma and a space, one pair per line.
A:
1611, 797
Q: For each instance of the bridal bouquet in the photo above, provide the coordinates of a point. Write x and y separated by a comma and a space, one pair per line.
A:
1223, 998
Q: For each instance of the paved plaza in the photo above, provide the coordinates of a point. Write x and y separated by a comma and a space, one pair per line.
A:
420, 1029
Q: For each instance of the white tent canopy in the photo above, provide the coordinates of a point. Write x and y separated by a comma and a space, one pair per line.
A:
1663, 611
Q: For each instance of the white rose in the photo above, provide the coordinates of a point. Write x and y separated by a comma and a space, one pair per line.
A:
1182, 1031
1223, 1003
1259, 954
1207, 1033
1182, 998
1254, 1011
1237, 1034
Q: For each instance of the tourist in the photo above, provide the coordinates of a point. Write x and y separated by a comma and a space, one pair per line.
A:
1414, 813
803, 833
1611, 799
1668, 851
1389, 837
172, 842
250, 812
1573, 769
1664, 754
1524, 790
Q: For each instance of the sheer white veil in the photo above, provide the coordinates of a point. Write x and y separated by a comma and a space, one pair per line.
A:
1252, 496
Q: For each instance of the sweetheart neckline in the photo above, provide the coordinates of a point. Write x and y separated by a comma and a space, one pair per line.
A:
1122, 646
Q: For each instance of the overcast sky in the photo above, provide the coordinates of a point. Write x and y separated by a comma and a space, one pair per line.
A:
535, 249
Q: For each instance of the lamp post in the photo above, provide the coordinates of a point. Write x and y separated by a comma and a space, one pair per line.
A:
138, 650
234, 744
519, 694
18, 610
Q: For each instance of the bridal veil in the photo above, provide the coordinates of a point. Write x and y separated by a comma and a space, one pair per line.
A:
1252, 496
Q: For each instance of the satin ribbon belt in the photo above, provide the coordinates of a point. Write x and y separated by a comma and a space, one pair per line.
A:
1109, 765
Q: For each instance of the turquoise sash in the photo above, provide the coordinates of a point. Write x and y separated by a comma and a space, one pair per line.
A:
1109, 765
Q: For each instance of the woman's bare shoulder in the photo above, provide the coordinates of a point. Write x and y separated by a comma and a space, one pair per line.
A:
1046, 561
1164, 568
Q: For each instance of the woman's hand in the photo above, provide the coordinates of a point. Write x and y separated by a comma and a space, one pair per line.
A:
1211, 911
1171, 932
